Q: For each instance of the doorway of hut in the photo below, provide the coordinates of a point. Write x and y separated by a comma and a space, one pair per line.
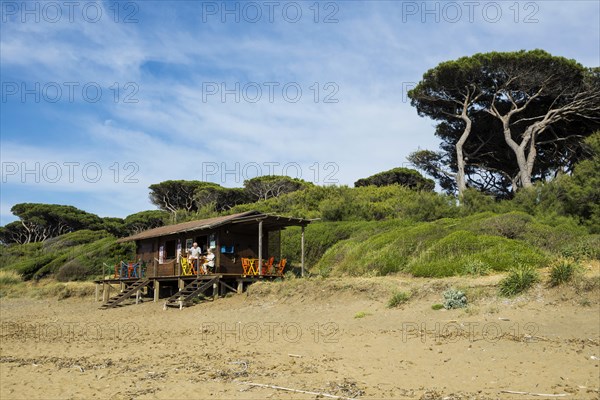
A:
201, 240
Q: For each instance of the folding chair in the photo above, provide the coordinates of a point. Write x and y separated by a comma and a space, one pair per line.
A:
132, 270
281, 266
185, 266
246, 265
268, 266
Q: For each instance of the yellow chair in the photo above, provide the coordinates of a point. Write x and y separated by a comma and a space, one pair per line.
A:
186, 267
249, 266
246, 265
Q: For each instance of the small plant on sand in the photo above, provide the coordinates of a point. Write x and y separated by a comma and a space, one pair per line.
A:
398, 298
519, 279
454, 299
476, 268
361, 314
437, 306
563, 271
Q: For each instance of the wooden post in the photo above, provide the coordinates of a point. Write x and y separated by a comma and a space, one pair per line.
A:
156, 290
122, 286
215, 291
260, 246
97, 292
240, 286
180, 283
105, 292
302, 250
280, 244
217, 251
155, 267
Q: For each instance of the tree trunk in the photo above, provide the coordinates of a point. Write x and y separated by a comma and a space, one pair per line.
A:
519, 150
461, 183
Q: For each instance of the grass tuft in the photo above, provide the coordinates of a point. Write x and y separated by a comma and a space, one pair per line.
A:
563, 271
519, 279
398, 299
8, 278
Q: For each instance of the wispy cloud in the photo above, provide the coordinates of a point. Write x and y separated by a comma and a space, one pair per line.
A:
166, 123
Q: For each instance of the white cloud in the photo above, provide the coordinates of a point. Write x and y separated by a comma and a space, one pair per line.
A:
373, 54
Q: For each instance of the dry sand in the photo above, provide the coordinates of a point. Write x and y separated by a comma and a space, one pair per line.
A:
306, 335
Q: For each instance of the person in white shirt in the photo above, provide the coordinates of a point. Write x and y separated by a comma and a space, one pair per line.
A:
194, 254
209, 264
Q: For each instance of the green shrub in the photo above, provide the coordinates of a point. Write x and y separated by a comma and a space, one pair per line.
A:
72, 271
89, 249
519, 279
398, 299
437, 306
584, 248
563, 271
13, 253
512, 225
28, 266
452, 254
454, 299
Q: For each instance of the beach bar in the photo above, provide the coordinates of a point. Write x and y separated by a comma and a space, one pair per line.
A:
243, 247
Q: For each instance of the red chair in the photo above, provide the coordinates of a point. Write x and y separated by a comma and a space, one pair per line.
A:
281, 266
268, 266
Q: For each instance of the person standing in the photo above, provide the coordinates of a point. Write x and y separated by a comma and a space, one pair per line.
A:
194, 255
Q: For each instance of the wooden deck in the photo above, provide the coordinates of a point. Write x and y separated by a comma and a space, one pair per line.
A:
181, 290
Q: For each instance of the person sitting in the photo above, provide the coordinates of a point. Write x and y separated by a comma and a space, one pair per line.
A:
209, 263
194, 255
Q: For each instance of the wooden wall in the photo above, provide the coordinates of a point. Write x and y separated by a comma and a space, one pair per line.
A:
244, 241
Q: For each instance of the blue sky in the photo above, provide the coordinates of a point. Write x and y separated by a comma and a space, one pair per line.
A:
101, 99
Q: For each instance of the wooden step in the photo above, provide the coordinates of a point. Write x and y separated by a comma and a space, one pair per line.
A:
126, 294
187, 294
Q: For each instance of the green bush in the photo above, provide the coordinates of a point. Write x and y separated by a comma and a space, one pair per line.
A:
398, 299
89, 249
512, 225
13, 253
380, 251
563, 271
452, 254
585, 248
519, 279
72, 271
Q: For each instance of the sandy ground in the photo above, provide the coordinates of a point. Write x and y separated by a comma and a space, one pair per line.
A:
306, 338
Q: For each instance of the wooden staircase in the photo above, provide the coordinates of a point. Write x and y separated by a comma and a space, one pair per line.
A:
126, 294
186, 295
